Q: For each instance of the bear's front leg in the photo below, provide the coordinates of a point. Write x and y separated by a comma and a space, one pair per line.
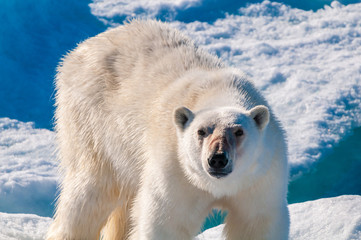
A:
252, 222
168, 207
83, 207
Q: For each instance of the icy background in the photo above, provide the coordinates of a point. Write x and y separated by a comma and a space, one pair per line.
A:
305, 56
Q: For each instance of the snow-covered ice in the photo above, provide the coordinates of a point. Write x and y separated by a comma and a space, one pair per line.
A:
28, 175
336, 218
328, 218
23, 226
111, 8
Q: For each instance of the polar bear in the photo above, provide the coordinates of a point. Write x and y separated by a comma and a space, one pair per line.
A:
154, 132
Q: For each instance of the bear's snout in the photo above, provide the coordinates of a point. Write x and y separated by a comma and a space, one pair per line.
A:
218, 161
219, 165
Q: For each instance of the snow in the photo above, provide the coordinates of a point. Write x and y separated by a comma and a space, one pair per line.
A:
336, 218
113, 11
330, 218
28, 176
143, 8
23, 226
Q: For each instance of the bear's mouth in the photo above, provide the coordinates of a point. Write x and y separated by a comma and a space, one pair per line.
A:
219, 174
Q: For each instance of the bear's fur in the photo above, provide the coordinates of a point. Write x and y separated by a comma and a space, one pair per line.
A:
153, 133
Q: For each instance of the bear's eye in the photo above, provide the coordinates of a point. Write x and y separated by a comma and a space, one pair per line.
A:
201, 132
239, 133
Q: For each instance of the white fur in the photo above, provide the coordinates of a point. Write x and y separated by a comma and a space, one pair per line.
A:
135, 167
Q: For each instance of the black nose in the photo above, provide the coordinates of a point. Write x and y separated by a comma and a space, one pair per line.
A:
218, 161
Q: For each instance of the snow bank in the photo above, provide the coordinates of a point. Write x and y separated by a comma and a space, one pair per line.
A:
28, 176
23, 226
107, 9
336, 218
331, 218
112, 11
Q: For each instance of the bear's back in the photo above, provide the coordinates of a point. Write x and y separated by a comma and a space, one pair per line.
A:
135, 61
109, 86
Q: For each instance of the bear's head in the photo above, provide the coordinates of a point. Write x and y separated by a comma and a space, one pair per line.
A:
220, 148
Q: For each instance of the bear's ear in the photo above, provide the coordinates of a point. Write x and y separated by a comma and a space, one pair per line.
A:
260, 115
181, 116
